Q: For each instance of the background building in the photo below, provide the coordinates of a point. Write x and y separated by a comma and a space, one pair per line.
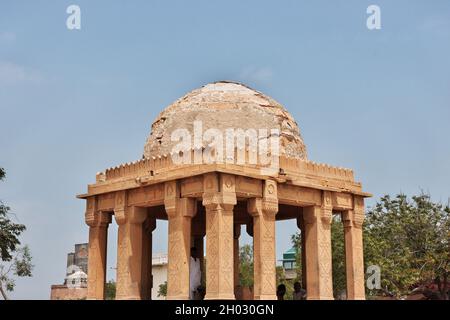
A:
75, 282
289, 264
159, 272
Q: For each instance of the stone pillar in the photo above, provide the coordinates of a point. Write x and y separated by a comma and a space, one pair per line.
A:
180, 212
129, 249
98, 233
147, 278
236, 235
353, 220
219, 199
263, 211
301, 226
317, 220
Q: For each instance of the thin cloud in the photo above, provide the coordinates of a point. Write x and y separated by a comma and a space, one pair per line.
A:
13, 74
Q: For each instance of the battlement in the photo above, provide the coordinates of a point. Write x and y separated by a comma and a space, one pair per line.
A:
291, 166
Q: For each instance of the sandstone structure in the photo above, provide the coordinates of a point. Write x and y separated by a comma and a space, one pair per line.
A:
214, 199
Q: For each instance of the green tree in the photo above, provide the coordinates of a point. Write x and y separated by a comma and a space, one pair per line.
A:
338, 256
296, 240
110, 290
409, 239
246, 266
14, 260
162, 290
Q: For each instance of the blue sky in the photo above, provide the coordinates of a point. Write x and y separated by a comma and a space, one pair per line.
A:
73, 103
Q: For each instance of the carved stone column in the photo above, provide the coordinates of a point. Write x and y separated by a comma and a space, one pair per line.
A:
98, 233
353, 220
236, 235
219, 199
263, 211
180, 212
317, 220
129, 249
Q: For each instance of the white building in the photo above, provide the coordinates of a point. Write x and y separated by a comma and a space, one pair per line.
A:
159, 272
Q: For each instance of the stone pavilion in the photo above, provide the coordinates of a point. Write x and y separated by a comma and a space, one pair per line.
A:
214, 198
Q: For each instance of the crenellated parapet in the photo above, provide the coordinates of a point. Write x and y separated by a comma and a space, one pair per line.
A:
291, 171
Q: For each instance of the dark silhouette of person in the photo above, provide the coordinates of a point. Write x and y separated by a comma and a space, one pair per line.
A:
281, 291
299, 292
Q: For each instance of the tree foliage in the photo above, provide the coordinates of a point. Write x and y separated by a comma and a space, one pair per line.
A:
409, 239
162, 290
246, 266
110, 290
15, 260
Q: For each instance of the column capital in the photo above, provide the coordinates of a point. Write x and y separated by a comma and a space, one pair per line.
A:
352, 218
93, 217
175, 205
97, 218
313, 213
181, 207
120, 203
131, 214
215, 200
219, 191
355, 217
259, 206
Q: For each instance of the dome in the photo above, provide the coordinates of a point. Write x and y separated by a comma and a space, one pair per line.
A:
222, 105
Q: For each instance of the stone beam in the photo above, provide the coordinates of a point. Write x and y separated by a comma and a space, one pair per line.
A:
299, 196
342, 201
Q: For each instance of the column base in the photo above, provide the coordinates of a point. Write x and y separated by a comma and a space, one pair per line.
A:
356, 298
220, 297
266, 297
128, 298
319, 298
178, 297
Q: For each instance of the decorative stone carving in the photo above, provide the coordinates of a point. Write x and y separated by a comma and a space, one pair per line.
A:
129, 252
219, 235
180, 212
353, 220
263, 211
98, 231
318, 249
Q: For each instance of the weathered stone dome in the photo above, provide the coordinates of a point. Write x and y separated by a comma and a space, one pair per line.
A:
223, 105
